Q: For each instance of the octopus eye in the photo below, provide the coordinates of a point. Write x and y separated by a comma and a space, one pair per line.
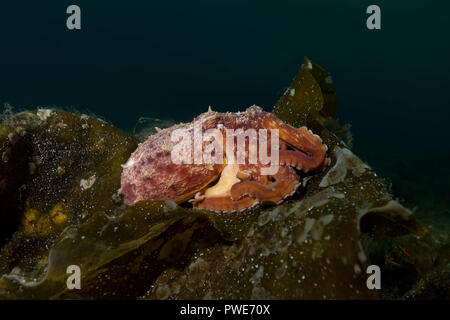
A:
220, 125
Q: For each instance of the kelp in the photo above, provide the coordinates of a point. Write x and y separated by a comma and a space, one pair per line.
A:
302, 101
309, 247
413, 268
57, 169
102, 239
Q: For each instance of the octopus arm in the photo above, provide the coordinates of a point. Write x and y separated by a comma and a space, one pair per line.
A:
309, 153
300, 160
285, 184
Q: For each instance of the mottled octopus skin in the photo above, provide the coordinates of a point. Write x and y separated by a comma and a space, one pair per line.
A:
150, 173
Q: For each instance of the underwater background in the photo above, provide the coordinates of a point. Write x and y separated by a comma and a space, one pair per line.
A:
171, 60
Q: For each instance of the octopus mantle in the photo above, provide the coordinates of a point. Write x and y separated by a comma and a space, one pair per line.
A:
151, 173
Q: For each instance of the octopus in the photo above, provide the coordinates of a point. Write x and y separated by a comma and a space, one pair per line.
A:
180, 165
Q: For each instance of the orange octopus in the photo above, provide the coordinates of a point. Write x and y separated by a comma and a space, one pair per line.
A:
224, 184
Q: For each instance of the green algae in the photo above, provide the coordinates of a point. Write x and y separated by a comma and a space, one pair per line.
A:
302, 101
413, 268
57, 169
93, 246
312, 246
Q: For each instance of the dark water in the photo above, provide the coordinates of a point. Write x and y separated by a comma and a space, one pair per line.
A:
172, 59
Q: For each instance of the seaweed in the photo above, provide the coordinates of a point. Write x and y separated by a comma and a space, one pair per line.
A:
59, 176
57, 169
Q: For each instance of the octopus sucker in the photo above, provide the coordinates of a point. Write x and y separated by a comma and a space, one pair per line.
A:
286, 183
223, 186
299, 160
